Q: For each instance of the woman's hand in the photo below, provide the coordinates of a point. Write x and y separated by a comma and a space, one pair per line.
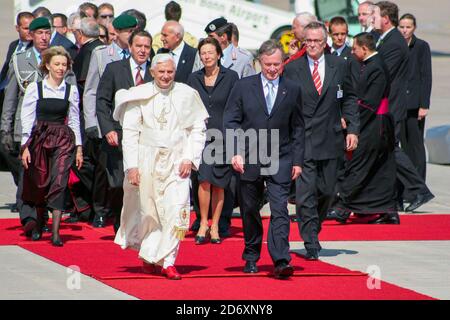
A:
79, 158
26, 158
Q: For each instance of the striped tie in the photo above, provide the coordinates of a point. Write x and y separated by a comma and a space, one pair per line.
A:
316, 77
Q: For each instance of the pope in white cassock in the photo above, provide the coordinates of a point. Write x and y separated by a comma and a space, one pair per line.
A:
164, 133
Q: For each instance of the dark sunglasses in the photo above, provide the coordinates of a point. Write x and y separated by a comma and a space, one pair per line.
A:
104, 16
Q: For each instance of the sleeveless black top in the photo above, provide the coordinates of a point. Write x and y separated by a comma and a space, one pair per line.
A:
52, 109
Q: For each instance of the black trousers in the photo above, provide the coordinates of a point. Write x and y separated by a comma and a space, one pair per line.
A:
93, 175
409, 182
315, 191
11, 162
26, 211
250, 196
411, 140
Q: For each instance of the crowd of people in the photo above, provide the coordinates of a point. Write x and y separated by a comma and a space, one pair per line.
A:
101, 120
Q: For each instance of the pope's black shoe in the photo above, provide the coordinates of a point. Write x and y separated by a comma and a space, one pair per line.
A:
388, 218
99, 222
283, 270
250, 267
420, 200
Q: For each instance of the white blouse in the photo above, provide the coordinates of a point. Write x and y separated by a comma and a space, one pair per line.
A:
28, 113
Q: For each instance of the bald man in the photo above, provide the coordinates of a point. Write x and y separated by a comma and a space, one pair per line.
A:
186, 58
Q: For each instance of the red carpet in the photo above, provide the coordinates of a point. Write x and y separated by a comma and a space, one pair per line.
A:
214, 272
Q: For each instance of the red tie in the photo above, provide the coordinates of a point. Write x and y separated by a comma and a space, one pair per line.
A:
139, 79
316, 77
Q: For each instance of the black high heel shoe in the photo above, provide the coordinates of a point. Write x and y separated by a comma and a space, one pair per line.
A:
215, 240
202, 239
57, 242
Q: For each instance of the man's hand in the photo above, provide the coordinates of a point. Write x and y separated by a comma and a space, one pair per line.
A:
112, 138
79, 157
352, 142
133, 176
422, 113
296, 172
7, 140
185, 169
238, 164
293, 47
26, 158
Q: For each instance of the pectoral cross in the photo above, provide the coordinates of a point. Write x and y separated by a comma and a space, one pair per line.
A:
162, 119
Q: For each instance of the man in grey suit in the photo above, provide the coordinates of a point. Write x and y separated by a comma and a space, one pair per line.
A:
233, 58
100, 58
24, 69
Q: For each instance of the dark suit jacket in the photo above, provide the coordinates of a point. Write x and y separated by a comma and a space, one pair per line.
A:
216, 100
394, 51
60, 40
246, 109
185, 64
117, 75
419, 79
323, 129
81, 62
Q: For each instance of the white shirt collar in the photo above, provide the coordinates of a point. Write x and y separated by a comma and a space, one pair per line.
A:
61, 87
177, 51
321, 59
134, 65
338, 50
265, 81
372, 55
386, 33
119, 49
227, 50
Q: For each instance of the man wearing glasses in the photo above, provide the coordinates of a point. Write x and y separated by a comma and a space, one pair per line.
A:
105, 14
327, 95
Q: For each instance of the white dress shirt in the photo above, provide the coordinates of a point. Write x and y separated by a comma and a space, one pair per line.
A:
265, 82
338, 50
134, 69
321, 67
176, 53
28, 113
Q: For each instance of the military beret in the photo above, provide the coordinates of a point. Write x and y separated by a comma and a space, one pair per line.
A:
40, 23
216, 24
124, 21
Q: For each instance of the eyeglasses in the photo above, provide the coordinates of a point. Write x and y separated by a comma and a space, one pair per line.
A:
103, 36
105, 16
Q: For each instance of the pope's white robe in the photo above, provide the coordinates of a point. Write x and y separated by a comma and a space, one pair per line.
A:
155, 215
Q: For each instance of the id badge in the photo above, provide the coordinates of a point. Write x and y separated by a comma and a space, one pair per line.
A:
340, 93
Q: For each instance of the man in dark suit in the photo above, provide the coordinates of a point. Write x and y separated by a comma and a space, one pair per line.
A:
186, 58
266, 104
394, 51
122, 74
23, 20
338, 29
58, 39
328, 95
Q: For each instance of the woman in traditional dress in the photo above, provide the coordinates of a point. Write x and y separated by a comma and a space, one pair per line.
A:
50, 135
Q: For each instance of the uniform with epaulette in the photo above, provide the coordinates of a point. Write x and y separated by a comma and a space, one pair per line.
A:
236, 59
23, 70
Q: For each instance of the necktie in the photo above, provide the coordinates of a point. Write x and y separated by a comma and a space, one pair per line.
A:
335, 53
20, 47
124, 54
138, 80
316, 77
270, 97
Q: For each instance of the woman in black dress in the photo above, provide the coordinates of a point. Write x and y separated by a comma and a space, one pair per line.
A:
50, 135
214, 84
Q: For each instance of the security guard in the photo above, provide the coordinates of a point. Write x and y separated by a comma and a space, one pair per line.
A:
101, 56
24, 69
233, 58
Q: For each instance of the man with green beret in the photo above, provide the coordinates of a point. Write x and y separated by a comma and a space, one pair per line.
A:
124, 25
23, 70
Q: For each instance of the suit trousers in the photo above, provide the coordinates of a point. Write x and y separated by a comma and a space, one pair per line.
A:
315, 191
411, 140
409, 182
11, 162
250, 196
25, 210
